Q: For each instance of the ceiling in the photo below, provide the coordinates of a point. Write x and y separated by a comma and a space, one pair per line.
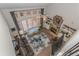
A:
22, 5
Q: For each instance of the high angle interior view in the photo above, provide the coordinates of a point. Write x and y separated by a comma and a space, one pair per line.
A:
39, 29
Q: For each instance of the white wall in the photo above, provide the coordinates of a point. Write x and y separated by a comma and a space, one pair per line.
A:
6, 47
69, 12
21, 5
